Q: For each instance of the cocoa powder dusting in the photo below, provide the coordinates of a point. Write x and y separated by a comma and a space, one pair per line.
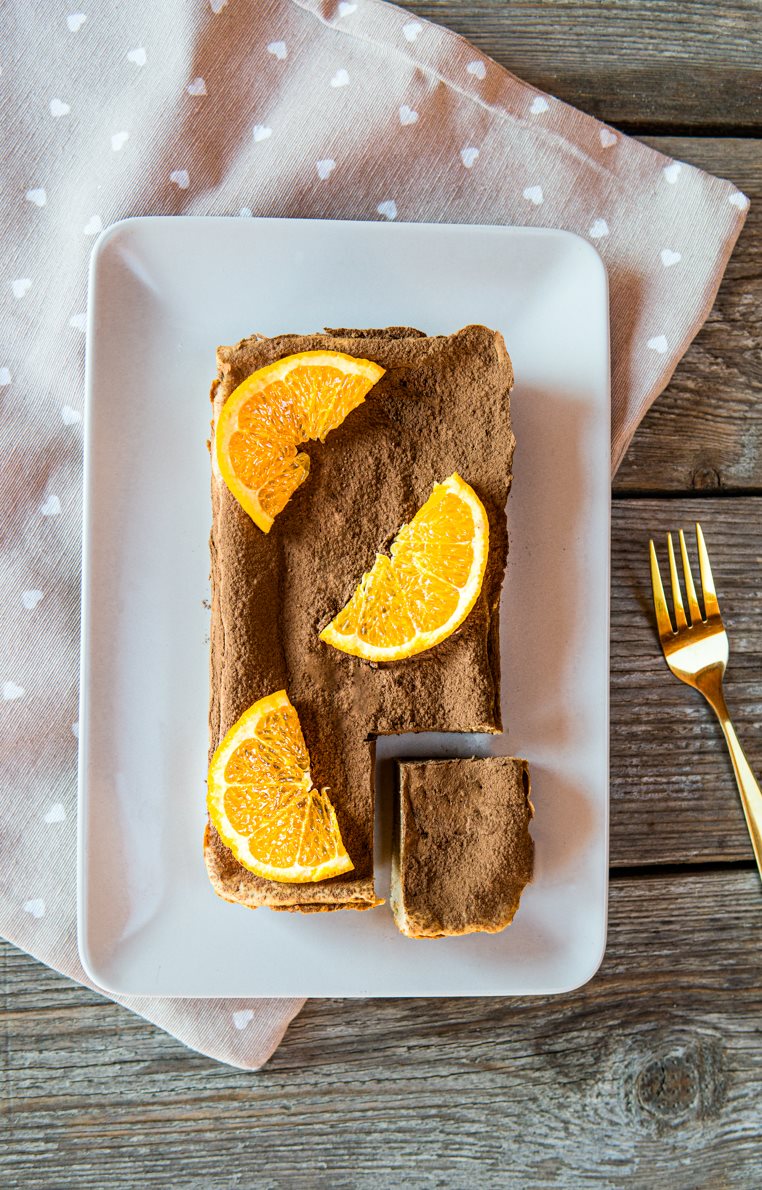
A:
463, 852
442, 406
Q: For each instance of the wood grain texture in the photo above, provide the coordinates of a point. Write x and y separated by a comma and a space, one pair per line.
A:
650, 1075
678, 65
704, 433
673, 794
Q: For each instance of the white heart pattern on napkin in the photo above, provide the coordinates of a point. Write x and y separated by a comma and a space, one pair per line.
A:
5, 377
30, 599
407, 115
245, 213
75, 21
477, 69
181, 178
138, 56
469, 155
36, 907
607, 138
739, 200
658, 344
261, 132
388, 209
217, 6
242, 1018
20, 287
56, 813
340, 79
93, 226
51, 506
668, 257
75, 730
411, 30
12, 691
325, 168
346, 9
539, 105
278, 50
534, 194
671, 171
58, 108
79, 322
599, 229
119, 140
70, 416
197, 86
37, 196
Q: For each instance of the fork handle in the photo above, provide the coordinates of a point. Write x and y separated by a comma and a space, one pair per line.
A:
751, 795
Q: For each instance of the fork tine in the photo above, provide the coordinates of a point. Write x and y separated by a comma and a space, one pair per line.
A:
690, 590
677, 595
711, 605
663, 622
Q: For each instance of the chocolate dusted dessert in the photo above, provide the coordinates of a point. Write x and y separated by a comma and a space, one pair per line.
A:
441, 406
462, 850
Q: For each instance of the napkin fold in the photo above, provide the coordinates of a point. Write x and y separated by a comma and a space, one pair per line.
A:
291, 108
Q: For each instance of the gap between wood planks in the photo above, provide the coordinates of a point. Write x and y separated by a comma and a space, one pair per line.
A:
660, 871
691, 494
697, 131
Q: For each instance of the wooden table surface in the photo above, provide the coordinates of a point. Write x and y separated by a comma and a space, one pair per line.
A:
652, 1074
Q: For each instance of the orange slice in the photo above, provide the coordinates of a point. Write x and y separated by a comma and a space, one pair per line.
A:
275, 409
424, 591
261, 800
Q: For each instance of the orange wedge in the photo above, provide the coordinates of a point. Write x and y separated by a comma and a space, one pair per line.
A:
261, 800
264, 420
417, 597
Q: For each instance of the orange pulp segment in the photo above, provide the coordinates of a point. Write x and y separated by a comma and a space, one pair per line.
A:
264, 420
261, 800
417, 597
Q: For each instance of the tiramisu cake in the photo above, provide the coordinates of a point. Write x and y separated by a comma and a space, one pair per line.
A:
462, 851
358, 548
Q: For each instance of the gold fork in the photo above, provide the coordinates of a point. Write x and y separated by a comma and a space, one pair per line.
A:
697, 653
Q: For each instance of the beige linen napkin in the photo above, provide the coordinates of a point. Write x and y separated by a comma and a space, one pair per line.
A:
291, 107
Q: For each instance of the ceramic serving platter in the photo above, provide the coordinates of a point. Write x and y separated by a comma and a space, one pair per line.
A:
164, 292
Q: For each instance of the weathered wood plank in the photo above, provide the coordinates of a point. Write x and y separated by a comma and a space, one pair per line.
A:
718, 386
705, 431
639, 66
673, 793
650, 1075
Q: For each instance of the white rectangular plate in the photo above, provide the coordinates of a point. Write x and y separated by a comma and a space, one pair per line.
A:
163, 294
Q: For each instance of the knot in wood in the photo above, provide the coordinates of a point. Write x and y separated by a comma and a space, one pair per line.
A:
705, 478
685, 1083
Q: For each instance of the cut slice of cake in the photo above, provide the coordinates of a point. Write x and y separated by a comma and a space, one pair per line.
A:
441, 406
462, 850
